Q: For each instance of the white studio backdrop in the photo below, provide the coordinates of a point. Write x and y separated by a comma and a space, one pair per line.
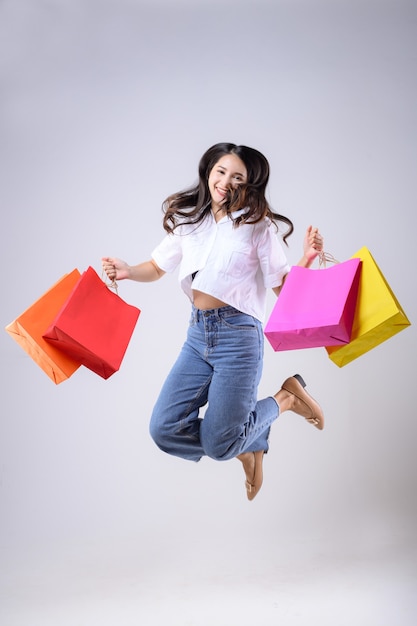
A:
106, 108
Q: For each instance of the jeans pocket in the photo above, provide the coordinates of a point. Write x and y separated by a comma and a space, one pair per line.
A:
240, 321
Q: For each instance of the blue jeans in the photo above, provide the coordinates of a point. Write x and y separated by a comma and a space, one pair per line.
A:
220, 365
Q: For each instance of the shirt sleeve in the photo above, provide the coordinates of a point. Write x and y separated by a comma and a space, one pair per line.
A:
273, 262
168, 254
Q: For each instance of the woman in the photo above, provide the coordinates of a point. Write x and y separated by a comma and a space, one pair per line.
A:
222, 235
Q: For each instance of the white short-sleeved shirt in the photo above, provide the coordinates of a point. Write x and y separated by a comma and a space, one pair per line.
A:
235, 264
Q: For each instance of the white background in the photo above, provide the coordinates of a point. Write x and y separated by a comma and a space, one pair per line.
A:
106, 108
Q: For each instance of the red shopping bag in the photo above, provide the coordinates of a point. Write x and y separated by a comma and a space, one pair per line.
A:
94, 326
315, 308
28, 328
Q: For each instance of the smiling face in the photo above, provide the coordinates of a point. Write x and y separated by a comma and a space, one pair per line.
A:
229, 172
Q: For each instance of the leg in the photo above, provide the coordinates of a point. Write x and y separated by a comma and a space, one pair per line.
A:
175, 422
291, 397
235, 421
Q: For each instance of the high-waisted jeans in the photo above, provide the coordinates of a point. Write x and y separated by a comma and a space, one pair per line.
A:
220, 365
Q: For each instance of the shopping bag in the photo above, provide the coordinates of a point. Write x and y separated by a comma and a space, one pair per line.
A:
94, 325
28, 328
315, 308
378, 315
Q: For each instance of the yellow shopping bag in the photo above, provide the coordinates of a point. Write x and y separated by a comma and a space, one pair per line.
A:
378, 314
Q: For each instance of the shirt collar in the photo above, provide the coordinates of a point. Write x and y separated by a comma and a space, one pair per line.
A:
234, 215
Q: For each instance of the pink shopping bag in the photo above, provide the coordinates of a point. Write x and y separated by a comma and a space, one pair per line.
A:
315, 308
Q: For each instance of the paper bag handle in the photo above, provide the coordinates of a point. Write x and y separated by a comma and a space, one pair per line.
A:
112, 284
326, 257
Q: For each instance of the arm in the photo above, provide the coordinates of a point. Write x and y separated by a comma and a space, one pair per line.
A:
146, 272
313, 245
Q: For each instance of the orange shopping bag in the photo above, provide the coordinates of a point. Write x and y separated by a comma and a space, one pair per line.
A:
28, 328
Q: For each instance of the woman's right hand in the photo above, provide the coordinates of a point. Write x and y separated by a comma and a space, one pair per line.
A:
116, 269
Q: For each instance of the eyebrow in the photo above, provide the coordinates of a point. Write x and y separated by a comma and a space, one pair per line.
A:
235, 173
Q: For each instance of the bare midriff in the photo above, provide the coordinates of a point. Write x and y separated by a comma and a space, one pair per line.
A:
204, 301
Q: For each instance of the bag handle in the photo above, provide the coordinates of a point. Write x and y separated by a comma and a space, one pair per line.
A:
326, 257
112, 284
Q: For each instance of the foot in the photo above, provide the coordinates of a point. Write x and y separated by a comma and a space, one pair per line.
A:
293, 397
252, 466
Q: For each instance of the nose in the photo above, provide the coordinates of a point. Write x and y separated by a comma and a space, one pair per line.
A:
229, 181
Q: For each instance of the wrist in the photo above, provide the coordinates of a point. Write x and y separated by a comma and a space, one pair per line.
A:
306, 261
129, 271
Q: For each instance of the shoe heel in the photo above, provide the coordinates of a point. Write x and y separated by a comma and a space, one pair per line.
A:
300, 379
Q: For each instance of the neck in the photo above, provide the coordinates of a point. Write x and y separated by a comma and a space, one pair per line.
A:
218, 212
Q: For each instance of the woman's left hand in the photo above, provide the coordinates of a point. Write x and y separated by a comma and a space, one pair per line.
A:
313, 244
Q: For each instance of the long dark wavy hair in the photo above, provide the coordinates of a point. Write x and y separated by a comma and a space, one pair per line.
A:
191, 205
